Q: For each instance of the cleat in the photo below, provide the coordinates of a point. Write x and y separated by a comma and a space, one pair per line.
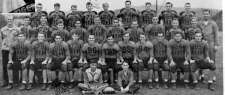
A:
22, 87
10, 86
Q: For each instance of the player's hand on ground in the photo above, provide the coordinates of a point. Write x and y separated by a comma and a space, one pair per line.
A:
31, 62
192, 61
172, 63
10, 62
24, 61
186, 62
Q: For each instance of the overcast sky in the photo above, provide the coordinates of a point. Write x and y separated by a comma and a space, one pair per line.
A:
117, 4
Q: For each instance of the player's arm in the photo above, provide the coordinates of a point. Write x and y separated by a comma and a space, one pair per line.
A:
32, 52
67, 51
169, 50
134, 52
84, 50
150, 45
11, 51
47, 52
27, 43
206, 50
50, 52
215, 31
118, 53
103, 52
161, 17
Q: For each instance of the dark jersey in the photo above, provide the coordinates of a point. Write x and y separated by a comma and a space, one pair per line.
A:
179, 49
110, 51
190, 34
91, 51
88, 18
99, 31
199, 50
160, 48
63, 33
146, 17
46, 30
128, 16
81, 32
29, 32
117, 33
40, 50
167, 16
127, 49
185, 19
54, 16
35, 18
72, 18
135, 34
107, 18
170, 35
59, 51
144, 50
152, 31
20, 50
75, 48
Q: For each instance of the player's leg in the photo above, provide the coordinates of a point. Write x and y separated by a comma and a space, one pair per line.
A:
62, 73
186, 70
156, 74
45, 76
33, 67
195, 73
5, 58
10, 68
140, 71
150, 75
71, 70
173, 71
24, 76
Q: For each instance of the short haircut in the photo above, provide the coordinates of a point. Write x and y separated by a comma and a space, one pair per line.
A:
128, 1
169, 3
56, 5
88, 3
187, 3
148, 3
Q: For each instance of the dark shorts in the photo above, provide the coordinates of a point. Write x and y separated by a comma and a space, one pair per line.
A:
57, 65
202, 64
111, 63
17, 65
161, 65
179, 65
37, 65
144, 65
74, 64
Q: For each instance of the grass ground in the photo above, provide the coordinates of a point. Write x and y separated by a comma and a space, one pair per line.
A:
144, 91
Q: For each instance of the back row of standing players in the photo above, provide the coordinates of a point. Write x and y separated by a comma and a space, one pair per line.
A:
94, 28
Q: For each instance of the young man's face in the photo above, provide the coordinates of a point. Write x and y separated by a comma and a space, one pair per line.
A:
27, 21
125, 66
60, 26
178, 37
21, 37
160, 36
187, 7
110, 40
134, 24
10, 20
58, 39
198, 36
97, 20
78, 24
39, 8
194, 21
168, 6
105, 6
89, 7
57, 8
41, 37
155, 20
116, 23
75, 36
142, 38
147, 6
91, 39
126, 37
128, 4
175, 23
93, 67
206, 15
43, 19
73, 9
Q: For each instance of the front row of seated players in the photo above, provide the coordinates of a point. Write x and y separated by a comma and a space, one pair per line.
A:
75, 57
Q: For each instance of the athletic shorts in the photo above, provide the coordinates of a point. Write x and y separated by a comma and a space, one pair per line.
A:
179, 65
57, 65
17, 65
144, 65
38, 65
74, 64
161, 65
202, 64
111, 63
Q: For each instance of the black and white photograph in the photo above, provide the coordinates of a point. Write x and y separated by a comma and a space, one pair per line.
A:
111, 47
17, 6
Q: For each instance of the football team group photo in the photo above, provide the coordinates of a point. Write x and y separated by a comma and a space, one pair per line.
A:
157, 48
